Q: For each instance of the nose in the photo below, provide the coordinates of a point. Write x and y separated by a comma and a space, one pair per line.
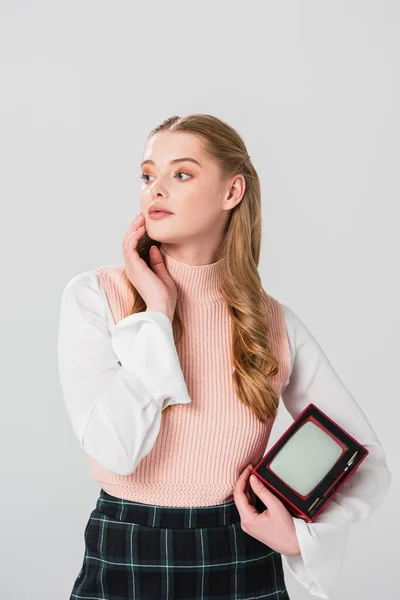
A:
158, 189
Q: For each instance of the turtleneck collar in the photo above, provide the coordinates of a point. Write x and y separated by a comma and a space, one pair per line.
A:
195, 283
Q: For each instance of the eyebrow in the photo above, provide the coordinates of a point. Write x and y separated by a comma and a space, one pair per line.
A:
172, 162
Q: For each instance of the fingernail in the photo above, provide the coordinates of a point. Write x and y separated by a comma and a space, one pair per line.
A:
253, 478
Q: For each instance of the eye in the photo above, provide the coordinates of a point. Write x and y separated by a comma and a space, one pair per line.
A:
144, 175
183, 173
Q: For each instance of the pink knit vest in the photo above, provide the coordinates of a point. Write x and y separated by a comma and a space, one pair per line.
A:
202, 447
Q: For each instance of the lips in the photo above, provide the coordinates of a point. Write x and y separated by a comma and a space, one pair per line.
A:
158, 208
161, 214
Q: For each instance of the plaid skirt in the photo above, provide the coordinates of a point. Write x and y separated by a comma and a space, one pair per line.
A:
151, 552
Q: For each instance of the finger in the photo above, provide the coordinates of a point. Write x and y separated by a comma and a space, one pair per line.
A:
268, 498
130, 242
157, 262
246, 510
136, 223
129, 246
250, 495
133, 224
249, 492
253, 497
138, 219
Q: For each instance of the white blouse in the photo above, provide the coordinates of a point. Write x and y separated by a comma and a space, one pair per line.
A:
100, 362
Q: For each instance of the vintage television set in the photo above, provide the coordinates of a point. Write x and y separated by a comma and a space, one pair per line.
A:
309, 463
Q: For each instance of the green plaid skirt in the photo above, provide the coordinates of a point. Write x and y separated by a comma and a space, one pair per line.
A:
151, 552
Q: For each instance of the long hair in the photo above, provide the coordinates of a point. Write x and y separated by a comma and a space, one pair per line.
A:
247, 302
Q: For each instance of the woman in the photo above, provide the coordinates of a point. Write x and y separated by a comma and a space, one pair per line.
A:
172, 367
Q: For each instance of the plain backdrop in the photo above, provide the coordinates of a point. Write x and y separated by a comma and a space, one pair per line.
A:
313, 88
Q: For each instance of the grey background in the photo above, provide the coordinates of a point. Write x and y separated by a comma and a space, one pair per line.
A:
313, 87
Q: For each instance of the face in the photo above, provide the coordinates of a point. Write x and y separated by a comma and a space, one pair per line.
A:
194, 191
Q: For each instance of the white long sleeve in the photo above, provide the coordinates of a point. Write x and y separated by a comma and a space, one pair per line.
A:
323, 542
115, 409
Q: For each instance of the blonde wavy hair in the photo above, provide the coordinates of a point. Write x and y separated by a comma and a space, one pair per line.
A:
248, 303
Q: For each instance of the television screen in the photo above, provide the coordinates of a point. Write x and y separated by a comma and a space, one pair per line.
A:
305, 459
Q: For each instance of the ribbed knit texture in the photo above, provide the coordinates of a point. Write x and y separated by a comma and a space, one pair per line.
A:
202, 447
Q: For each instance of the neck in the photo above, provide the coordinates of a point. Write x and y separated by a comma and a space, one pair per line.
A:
195, 283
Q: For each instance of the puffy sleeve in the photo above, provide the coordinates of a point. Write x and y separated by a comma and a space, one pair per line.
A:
323, 542
115, 383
